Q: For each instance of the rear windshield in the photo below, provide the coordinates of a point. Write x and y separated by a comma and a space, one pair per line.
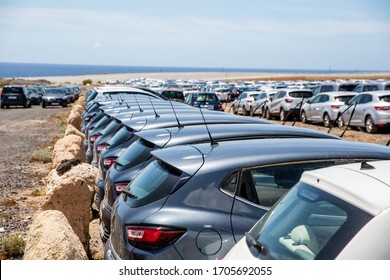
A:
91, 96
136, 153
17, 90
122, 135
111, 128
205, 97
308, 224
344, 98
155, 181
385, 98
301, 94
370, 88
347, 87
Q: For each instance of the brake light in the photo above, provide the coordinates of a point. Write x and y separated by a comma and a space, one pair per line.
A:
288, 100
88, 118
101, 146
382, 108
335, 106
94, 138
107, 162
220, 107
119, 187
249, 101
155, 237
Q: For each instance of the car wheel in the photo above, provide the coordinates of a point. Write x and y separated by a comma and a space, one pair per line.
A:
282, 115
370, 126
327, 120
268, 114
340, 122
2, 106
251, 112
303, 117
43, 104
244, 111
64, 105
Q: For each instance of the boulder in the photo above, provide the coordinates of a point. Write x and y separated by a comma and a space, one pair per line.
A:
78, 108
70, 129
68, 147
75, 119
72, 194
51, 238
96, 246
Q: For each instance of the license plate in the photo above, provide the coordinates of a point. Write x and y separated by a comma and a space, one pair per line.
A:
55, 103
12, 97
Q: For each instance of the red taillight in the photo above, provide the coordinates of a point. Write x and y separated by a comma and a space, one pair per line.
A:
101, 146
335, 106
94, 138
382, 108
220, 107
120, 186
249, 101
87, 118
155, 237
288, 100
107, 162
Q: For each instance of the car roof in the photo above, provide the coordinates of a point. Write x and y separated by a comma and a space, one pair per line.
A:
241, 153
377, 92
224, 132
367, 186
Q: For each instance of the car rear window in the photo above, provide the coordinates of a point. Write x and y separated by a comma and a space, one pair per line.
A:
343, 98
206, 97
136, 153
308, 223
11, 90
385, 98
122, 135
301, 94
347, 87
155, 181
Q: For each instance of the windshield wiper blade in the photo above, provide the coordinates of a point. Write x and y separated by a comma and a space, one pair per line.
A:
255, 244
129, 194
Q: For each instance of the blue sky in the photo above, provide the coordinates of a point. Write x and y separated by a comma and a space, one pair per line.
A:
279, 34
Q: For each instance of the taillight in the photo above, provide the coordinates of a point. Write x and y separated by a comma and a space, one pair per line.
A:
249, 101
288, 100
382, 108
335, 106
101, 146
220, 107
107, 162
152, 237
119, 187
94, 138
87, 118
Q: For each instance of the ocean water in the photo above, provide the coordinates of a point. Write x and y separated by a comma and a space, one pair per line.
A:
16, 70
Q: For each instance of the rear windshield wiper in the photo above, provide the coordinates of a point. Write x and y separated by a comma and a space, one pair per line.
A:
129, 194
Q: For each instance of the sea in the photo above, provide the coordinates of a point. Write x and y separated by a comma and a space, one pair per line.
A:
21, 70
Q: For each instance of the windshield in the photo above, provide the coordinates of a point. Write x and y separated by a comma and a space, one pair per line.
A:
154, 182
308, 224
136, 153
54, 91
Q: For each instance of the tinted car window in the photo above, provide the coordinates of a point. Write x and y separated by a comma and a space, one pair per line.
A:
327, 88
308, 224
385, 98
17, 90
301, 94
347, 87
370, 88
230, 184
136, 153
343, 98
119, 136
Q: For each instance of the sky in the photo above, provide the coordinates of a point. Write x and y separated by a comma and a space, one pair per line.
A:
279, 34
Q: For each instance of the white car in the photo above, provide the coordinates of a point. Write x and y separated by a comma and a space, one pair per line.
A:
338, 212
243, 102
222, 93
258, 105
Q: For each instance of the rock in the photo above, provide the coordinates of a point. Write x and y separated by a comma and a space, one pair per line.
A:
68, 147
66, 165
72, 194
78, 108
96, 246
70, 129
75, 119
51, 238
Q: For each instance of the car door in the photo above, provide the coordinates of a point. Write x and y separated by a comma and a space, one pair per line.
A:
348, 113
276, 102
361, 109
310, 110
320, 107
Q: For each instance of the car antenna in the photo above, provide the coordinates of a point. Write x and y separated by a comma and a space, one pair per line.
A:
334, 122
349, 121
155, 113
119, 100
136, 101
174, 112
127, 104
212, 142
365, 166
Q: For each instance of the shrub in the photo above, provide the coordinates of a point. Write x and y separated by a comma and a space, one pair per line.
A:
87, 82
13, 246
42, 155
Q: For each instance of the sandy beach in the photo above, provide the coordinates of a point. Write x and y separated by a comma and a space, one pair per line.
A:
229, 76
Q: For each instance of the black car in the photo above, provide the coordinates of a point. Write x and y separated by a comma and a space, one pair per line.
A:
15, 96
55, 97
204, 100
35, 96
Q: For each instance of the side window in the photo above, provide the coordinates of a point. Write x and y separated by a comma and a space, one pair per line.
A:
230, 184
316, 90
316, 99
365, 99
266, 185
358, 89
324, 98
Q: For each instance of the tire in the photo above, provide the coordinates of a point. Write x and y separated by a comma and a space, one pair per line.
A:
244, 111
268, 114
282, 115
2, 106
340, 122
43, 104
327, 121
64, 105
251, 112
303, 117
235, 111
370, 126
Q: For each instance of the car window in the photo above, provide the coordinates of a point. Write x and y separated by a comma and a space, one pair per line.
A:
387, 87
316, 99
308, 224
370, 88
347, 87
324, 98
344, 98
230, 184
18, 90
327, 88
301, 94
266, 185
365, 99
137, 152
385, 98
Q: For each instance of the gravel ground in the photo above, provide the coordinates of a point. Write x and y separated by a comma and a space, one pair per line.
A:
22, 132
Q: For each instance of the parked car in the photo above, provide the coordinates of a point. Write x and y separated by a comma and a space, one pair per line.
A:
15, 96
372, 86
372, 111
324, 107
35, 96
243, 102
339, 212
286, 103
173, 94
136, 156
197, 201
260, 102
204, 100
334, 86
55, 97
223, 94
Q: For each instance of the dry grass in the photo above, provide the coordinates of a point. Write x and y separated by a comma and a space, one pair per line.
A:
42, 155
13, 246
8, 202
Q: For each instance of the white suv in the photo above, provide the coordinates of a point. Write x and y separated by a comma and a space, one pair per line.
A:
338, 212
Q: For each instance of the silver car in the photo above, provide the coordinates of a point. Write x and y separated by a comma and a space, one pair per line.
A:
324, 107
258, 106
371, 110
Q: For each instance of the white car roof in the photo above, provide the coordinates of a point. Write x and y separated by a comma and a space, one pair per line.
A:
366, 188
